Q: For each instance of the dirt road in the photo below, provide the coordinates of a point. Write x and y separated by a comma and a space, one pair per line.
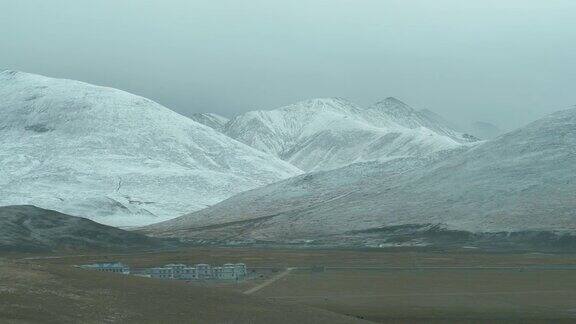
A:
269, 281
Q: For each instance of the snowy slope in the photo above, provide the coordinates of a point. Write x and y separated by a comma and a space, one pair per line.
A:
522, 181
115, 157
438, 119
407, 116
211, 120
324, 134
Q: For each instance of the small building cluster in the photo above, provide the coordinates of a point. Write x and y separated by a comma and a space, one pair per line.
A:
228, 271
116, 267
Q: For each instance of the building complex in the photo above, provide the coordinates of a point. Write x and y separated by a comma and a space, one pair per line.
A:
116, 267
228, 271
201, 271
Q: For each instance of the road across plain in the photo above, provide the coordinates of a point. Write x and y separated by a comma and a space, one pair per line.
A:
269, 281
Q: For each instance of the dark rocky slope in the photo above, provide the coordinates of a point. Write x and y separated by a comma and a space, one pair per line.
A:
32, 229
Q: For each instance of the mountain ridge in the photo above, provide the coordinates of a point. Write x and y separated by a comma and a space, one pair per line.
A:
328, 133
521, 182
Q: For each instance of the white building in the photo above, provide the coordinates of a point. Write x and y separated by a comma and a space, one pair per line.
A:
228, 272
160, 272
177, 270
241, 271
189, 273
217, 272
116, 267
202, 271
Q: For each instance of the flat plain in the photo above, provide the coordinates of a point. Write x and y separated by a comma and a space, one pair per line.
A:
32, 292
386, 286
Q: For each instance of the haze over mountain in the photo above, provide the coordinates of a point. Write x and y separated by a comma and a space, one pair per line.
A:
437, 118
466, 60
115, 157
411, 118
324, 134
485, 130
523, 181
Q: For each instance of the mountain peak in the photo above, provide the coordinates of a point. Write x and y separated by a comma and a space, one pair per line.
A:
329, 101
394, 106
394, 100
327, 133
15, 73
9, 73
321, 104
405, 115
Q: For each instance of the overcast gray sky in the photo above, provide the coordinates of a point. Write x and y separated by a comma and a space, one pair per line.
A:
504, 61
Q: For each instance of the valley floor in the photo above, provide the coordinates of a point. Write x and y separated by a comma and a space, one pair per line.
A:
393, 286
35, 292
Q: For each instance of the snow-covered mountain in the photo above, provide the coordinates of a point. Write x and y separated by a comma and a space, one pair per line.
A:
439, 119
115, 157
324, 134
521, 182
211, 120
409, 117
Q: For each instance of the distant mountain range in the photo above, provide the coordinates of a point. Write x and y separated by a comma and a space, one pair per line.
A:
115, 157
324, 134
319, 172
124, 160
523, 182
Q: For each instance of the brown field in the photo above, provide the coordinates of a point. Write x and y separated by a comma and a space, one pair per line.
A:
283, 258
394, 286
45, 293
434, 295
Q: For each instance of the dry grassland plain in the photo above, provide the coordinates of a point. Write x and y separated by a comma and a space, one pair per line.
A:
388, 286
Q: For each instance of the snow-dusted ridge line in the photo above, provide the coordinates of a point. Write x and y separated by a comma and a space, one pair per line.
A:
521, 182
328, 133
115, 157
